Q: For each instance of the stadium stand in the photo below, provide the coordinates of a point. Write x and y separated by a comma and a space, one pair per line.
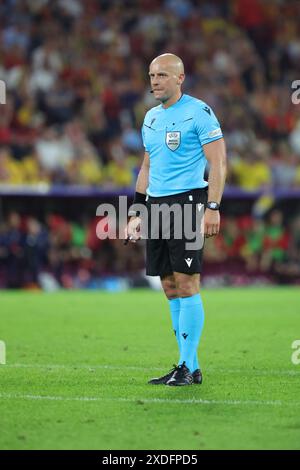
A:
77, 91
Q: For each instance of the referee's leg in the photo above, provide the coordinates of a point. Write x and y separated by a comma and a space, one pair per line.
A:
169, 286
191, 318
187, 284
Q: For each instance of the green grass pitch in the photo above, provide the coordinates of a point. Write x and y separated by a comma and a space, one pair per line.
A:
78, 364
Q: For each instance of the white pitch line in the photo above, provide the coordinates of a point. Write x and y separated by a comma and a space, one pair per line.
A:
146, 369
79, 366
191, 401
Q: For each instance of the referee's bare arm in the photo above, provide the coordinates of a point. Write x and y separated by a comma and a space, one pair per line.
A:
133, 226
143, 176
215, 153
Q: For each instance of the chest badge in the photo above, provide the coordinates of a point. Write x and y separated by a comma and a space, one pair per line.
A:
173, 140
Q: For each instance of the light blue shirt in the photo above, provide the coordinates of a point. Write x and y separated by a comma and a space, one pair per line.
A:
174, 138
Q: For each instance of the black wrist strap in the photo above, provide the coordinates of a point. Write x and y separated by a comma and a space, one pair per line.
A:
139, 198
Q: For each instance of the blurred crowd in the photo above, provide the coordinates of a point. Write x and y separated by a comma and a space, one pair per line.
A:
65, 253
61, 253
259, 250
77, 85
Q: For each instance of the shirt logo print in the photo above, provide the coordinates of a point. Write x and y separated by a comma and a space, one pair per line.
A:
173, 140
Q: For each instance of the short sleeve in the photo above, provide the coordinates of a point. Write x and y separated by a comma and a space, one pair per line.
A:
207, 125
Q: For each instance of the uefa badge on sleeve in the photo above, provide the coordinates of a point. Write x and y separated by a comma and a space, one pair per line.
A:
173, 140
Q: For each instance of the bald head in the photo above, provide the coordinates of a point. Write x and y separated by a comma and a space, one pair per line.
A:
170, 61
166, 75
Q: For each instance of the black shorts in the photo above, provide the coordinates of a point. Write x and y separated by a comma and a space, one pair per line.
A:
166, 255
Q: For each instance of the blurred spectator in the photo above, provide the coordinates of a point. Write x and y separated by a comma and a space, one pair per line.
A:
69, 60
275, 243
251, 170
284, 165
54, 150
14, 246
35, 250
289, 268
69, 253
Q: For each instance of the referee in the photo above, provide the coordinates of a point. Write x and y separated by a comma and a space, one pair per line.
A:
180, 136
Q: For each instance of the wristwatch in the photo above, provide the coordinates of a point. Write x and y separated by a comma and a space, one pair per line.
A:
214, 206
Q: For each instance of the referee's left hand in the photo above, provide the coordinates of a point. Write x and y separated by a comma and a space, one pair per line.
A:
211, 223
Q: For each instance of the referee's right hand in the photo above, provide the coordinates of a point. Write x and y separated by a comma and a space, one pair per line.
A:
132, 231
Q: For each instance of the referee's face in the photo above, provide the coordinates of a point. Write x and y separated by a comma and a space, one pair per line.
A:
165, 80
